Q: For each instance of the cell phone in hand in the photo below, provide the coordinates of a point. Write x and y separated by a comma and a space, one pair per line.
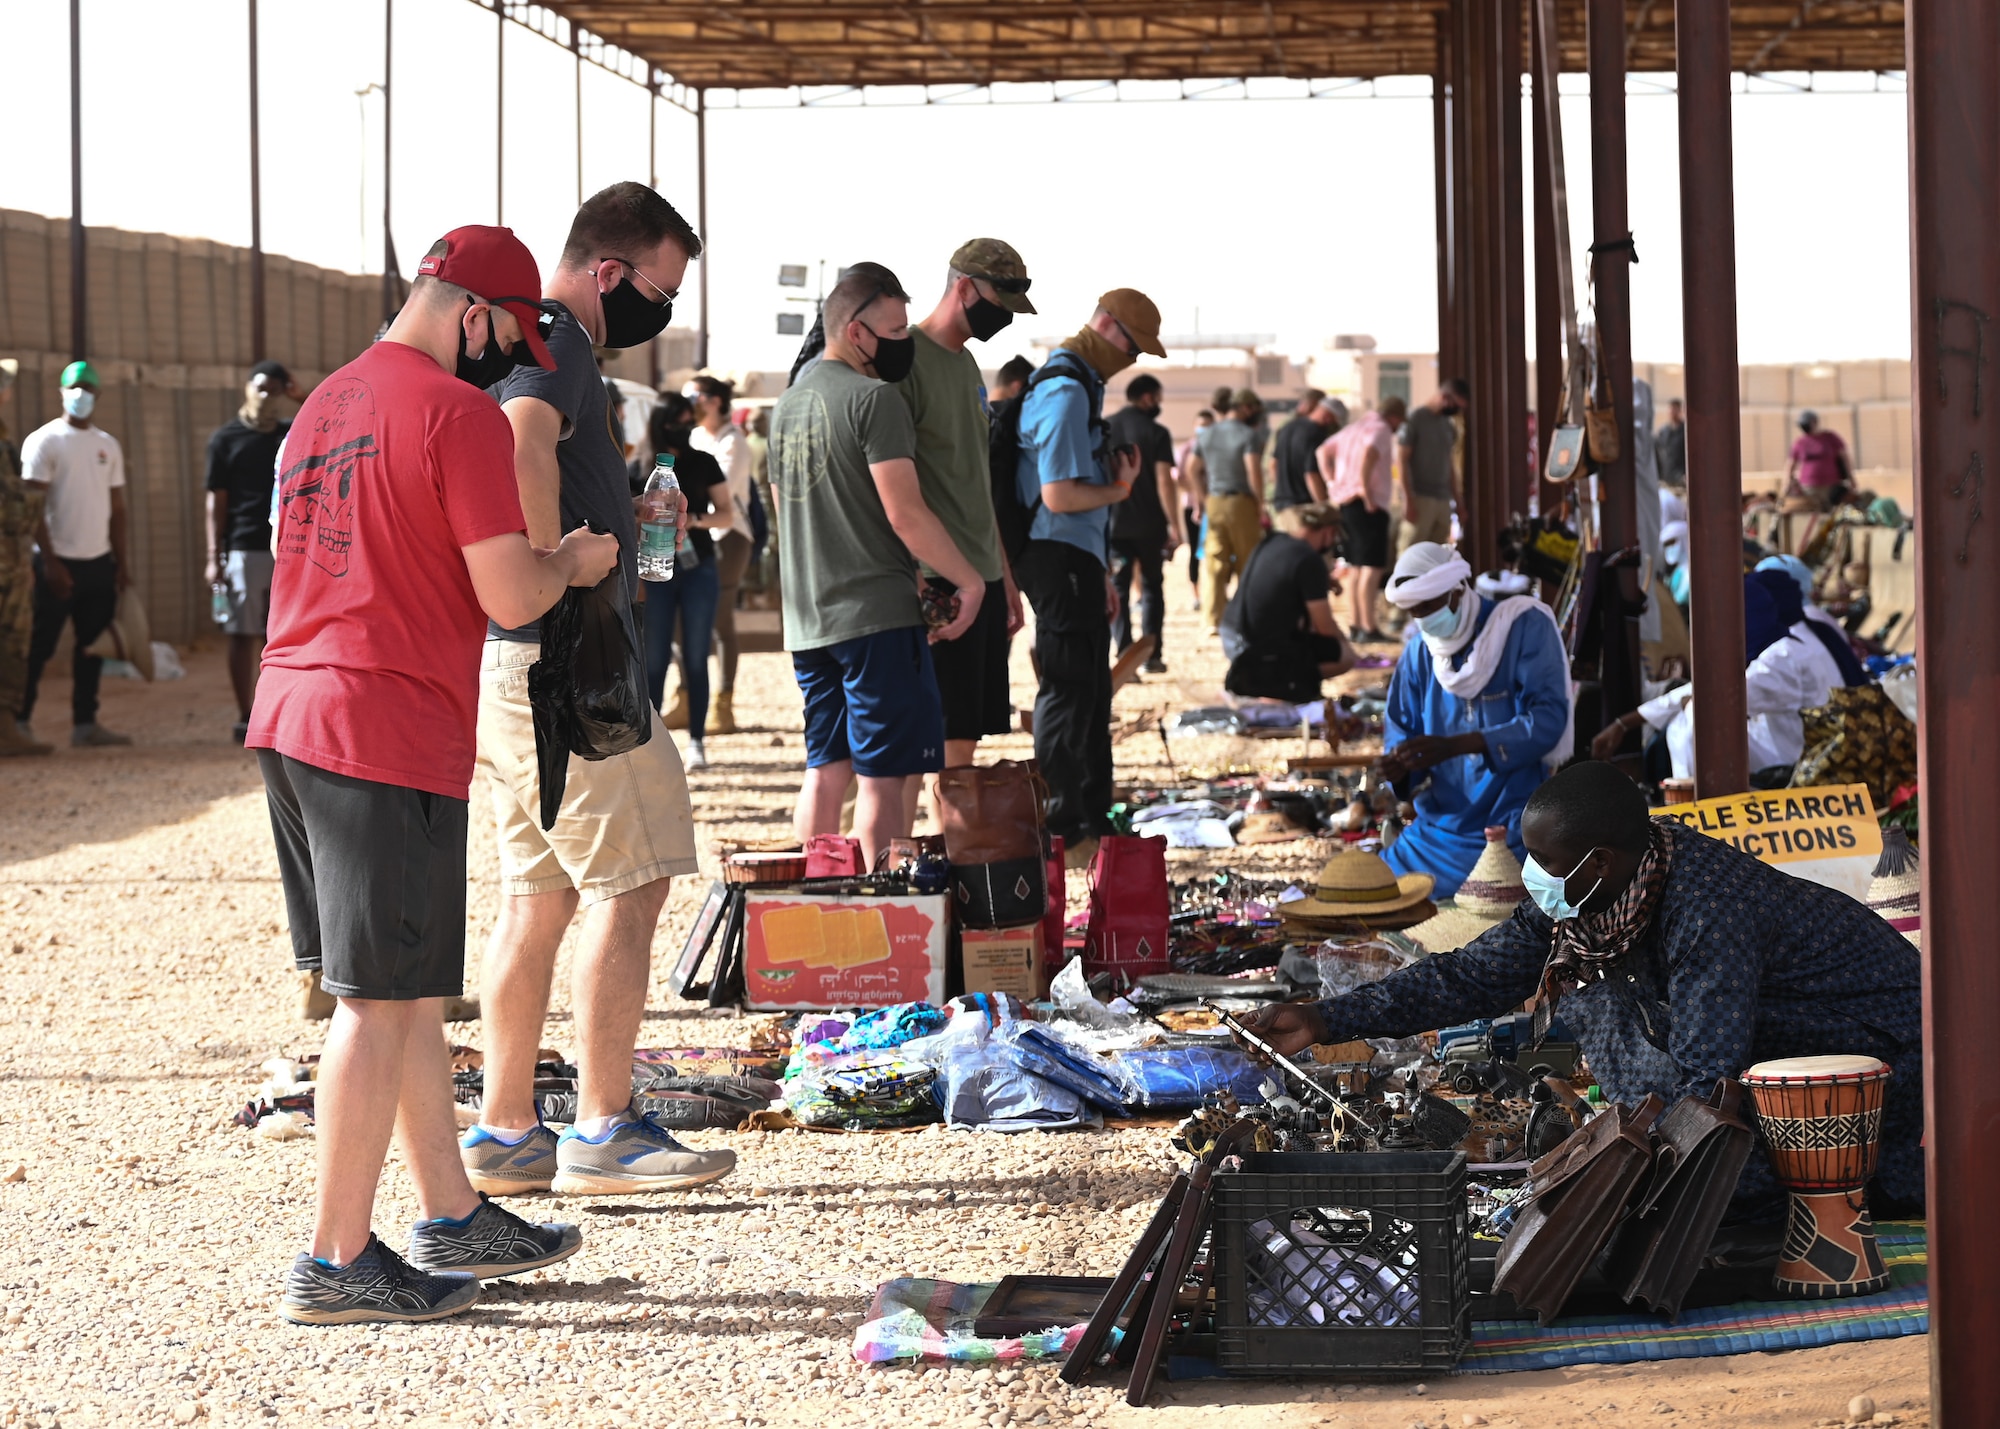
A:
940, 604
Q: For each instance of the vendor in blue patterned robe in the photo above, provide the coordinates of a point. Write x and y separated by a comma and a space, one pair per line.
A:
1478, 706
1675, 960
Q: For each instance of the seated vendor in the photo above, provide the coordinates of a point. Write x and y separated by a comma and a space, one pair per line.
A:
1478, 707
1279, 631
1675, 960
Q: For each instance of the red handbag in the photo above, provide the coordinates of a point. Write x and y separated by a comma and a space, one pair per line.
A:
832, 856
1056, 918
1127, 932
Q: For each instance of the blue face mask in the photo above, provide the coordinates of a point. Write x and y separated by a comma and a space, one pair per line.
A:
1442, 623
1548, 891
1677, 582
79, 402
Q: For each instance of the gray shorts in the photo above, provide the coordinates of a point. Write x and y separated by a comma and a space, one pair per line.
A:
374, 878
248, 576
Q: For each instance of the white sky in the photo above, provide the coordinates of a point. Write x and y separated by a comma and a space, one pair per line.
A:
1300, 218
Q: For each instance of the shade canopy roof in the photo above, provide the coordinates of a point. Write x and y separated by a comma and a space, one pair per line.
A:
754, 44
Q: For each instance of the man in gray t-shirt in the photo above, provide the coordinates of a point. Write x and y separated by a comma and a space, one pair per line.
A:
1426, 451
1231, 469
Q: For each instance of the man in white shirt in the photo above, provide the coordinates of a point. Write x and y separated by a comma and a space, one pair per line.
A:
82, 564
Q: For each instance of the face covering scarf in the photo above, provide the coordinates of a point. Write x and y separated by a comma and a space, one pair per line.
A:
1587, 943
1106, 358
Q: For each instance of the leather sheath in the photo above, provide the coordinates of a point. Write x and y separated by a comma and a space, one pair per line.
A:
1703, 1144
1578, 1192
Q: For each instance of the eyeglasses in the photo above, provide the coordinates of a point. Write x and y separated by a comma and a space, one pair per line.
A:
665, 296
1132, 350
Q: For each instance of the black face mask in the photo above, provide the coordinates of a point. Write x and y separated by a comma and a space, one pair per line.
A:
491, 365
631, 319
987, 318
894, 356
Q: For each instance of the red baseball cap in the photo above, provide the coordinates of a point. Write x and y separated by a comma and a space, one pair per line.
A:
497, 266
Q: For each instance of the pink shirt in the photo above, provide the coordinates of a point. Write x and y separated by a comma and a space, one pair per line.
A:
1351, 445
1818, 456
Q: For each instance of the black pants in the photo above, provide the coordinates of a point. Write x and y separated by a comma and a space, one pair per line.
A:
91, 604
1151, 562
1073, 706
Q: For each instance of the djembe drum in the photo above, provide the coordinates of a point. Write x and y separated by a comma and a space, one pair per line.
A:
1821, 1118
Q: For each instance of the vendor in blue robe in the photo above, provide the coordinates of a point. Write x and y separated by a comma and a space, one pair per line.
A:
1479, 709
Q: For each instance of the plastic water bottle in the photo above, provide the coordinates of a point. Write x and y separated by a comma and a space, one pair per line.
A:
218, 602
658, 522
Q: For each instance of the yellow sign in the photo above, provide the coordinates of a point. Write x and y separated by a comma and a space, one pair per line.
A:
1789, 825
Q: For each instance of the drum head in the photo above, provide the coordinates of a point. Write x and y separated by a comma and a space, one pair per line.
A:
1800, 1069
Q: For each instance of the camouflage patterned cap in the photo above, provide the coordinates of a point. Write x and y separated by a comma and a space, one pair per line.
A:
998, 264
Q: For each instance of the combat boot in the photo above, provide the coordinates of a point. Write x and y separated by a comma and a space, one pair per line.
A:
722, 714
13, 743
676, 715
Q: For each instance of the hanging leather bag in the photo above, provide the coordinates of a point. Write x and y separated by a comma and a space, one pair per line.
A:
996, 836
1129, 908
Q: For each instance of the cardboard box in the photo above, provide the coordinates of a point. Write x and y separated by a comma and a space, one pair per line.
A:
806, 951
1005, 960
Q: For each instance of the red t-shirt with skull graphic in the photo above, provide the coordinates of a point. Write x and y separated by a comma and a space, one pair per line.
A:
371, 656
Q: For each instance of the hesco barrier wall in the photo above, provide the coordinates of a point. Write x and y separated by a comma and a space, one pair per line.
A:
169, 333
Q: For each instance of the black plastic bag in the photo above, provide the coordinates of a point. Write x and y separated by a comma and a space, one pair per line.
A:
588, 691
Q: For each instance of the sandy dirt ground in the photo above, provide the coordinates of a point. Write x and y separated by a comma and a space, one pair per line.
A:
144, 969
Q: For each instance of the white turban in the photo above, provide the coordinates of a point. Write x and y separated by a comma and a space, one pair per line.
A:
1425, 572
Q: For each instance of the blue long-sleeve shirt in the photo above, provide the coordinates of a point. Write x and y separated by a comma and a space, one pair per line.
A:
1743, 964
1522, 711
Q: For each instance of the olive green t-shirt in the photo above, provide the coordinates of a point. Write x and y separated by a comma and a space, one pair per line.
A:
847, 573
947, 401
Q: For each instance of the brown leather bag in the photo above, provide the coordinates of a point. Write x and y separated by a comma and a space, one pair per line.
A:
995, 835
1577, 1193
1703, 1146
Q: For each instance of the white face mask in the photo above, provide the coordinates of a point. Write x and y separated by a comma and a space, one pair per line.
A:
1442, 623
79, 402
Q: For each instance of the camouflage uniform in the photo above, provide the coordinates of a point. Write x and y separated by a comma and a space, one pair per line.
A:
20, 513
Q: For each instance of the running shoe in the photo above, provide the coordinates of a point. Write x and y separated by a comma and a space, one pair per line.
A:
490, 1242
500, 1169
378, 1285
633, 1156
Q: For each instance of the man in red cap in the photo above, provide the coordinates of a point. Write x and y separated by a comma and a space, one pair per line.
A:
400, 533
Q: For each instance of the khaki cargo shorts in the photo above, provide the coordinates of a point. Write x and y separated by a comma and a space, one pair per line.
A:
625, 821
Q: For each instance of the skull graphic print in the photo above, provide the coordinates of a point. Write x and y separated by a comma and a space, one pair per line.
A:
316, 491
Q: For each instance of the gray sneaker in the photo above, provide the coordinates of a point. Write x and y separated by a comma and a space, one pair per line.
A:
492, 1241
502, 1170
633, 1156
378, 1285
96, 736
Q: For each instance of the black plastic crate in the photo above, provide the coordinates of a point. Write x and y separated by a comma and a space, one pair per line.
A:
1354, 1264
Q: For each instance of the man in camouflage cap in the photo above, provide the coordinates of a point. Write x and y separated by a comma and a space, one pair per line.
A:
20, 513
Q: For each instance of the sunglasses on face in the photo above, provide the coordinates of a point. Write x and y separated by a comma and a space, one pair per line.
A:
1016, 286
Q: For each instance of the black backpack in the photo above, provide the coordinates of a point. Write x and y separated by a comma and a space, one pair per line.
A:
1003, 452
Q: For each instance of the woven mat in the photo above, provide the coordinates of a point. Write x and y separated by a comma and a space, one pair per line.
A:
1501, 1346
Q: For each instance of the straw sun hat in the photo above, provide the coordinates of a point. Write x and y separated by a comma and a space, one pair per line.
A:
1486, 899
1359, 886
1892, 893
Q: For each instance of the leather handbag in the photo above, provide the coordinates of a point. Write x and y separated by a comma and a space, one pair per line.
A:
1703, 1145
834, 856
996, 836
1129, 910
1577, 1194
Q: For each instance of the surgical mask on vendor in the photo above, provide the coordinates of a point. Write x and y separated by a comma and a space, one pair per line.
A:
1442, 623
79, 402
1550, 892
1677, 584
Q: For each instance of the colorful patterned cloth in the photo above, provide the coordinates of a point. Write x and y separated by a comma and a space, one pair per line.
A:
933, 1319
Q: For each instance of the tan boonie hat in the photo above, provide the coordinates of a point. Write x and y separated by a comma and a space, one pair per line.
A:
998, 264
1136, 313
1356, 884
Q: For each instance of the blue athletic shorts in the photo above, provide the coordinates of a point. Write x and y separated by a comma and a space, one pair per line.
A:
873, 700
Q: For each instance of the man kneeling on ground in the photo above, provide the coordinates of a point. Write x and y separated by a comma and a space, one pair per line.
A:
400, 535
1279, 632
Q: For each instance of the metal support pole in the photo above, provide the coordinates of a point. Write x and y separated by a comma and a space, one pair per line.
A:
1514, 475
1952, 50
257, 330
653, 183
500, 114
1612, 288
1715, 442
1487, 425
576, 49
701, 220
1441, 101
79, 290
391, 296
1549, 355
1461, 226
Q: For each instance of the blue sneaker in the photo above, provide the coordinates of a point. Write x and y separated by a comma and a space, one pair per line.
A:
502, 1169
633, 1156
377, 1285
490, 1242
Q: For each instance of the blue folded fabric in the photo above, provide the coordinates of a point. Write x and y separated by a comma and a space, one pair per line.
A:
1037, 1051
1178, 1078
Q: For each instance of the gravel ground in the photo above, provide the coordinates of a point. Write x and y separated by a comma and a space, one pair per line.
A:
145, 968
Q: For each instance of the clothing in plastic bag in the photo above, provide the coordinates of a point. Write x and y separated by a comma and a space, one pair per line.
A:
1046, 1056
588, 689
1324, 1283
985, 1087
1179, 1078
